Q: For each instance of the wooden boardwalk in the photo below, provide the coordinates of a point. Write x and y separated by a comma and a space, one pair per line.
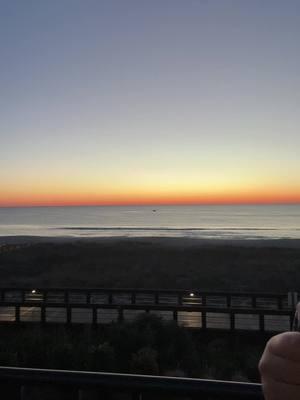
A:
264, 312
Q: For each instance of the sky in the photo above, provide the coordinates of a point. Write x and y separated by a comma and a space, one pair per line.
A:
149, 102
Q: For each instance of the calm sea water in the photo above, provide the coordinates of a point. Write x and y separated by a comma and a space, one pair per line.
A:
218, 222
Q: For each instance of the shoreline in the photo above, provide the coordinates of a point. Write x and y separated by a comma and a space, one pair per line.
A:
164, 241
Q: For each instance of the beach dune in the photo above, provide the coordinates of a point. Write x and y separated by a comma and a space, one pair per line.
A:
158, 263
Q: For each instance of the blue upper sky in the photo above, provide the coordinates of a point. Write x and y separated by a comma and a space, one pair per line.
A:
164, 96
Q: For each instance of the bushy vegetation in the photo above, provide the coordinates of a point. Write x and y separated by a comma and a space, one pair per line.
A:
145, 346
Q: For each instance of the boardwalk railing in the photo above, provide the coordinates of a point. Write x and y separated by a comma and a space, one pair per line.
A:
205, 311
18, 382
148, 296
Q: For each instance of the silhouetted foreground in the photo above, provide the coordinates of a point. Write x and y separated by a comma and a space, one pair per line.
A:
147, 345
153, 263
144, 346
49, 384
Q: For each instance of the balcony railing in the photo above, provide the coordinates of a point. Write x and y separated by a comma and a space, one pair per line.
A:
110, 386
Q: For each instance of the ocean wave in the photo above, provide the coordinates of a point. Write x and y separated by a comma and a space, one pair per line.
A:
131, 228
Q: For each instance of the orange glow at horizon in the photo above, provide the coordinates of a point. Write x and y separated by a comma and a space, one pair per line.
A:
119, 199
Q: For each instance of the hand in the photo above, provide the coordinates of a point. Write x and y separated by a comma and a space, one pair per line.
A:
280, 367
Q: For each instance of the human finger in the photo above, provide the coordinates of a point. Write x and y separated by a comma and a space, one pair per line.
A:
285, 345
279, 368
274, 390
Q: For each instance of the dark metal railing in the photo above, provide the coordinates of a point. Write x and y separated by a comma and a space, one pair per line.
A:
136, 386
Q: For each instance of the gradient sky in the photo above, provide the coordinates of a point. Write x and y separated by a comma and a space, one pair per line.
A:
138, 101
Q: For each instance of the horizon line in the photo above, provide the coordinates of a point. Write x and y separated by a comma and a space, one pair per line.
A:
154, 204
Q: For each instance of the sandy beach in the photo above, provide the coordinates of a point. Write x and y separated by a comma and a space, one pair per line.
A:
258, 265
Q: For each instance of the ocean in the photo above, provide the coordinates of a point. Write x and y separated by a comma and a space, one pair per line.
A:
206, 222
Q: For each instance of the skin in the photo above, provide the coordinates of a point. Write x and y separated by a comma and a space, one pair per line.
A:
280, 367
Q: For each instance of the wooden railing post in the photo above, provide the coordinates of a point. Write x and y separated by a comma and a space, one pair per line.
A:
133, 298
179, 298
88, 297
203, 319
232, 321
69, 314
175, 315
261, 322
228, 301
120, 314
44, 292
292, 316
43, 314
95, 316
66, 295
17, 313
